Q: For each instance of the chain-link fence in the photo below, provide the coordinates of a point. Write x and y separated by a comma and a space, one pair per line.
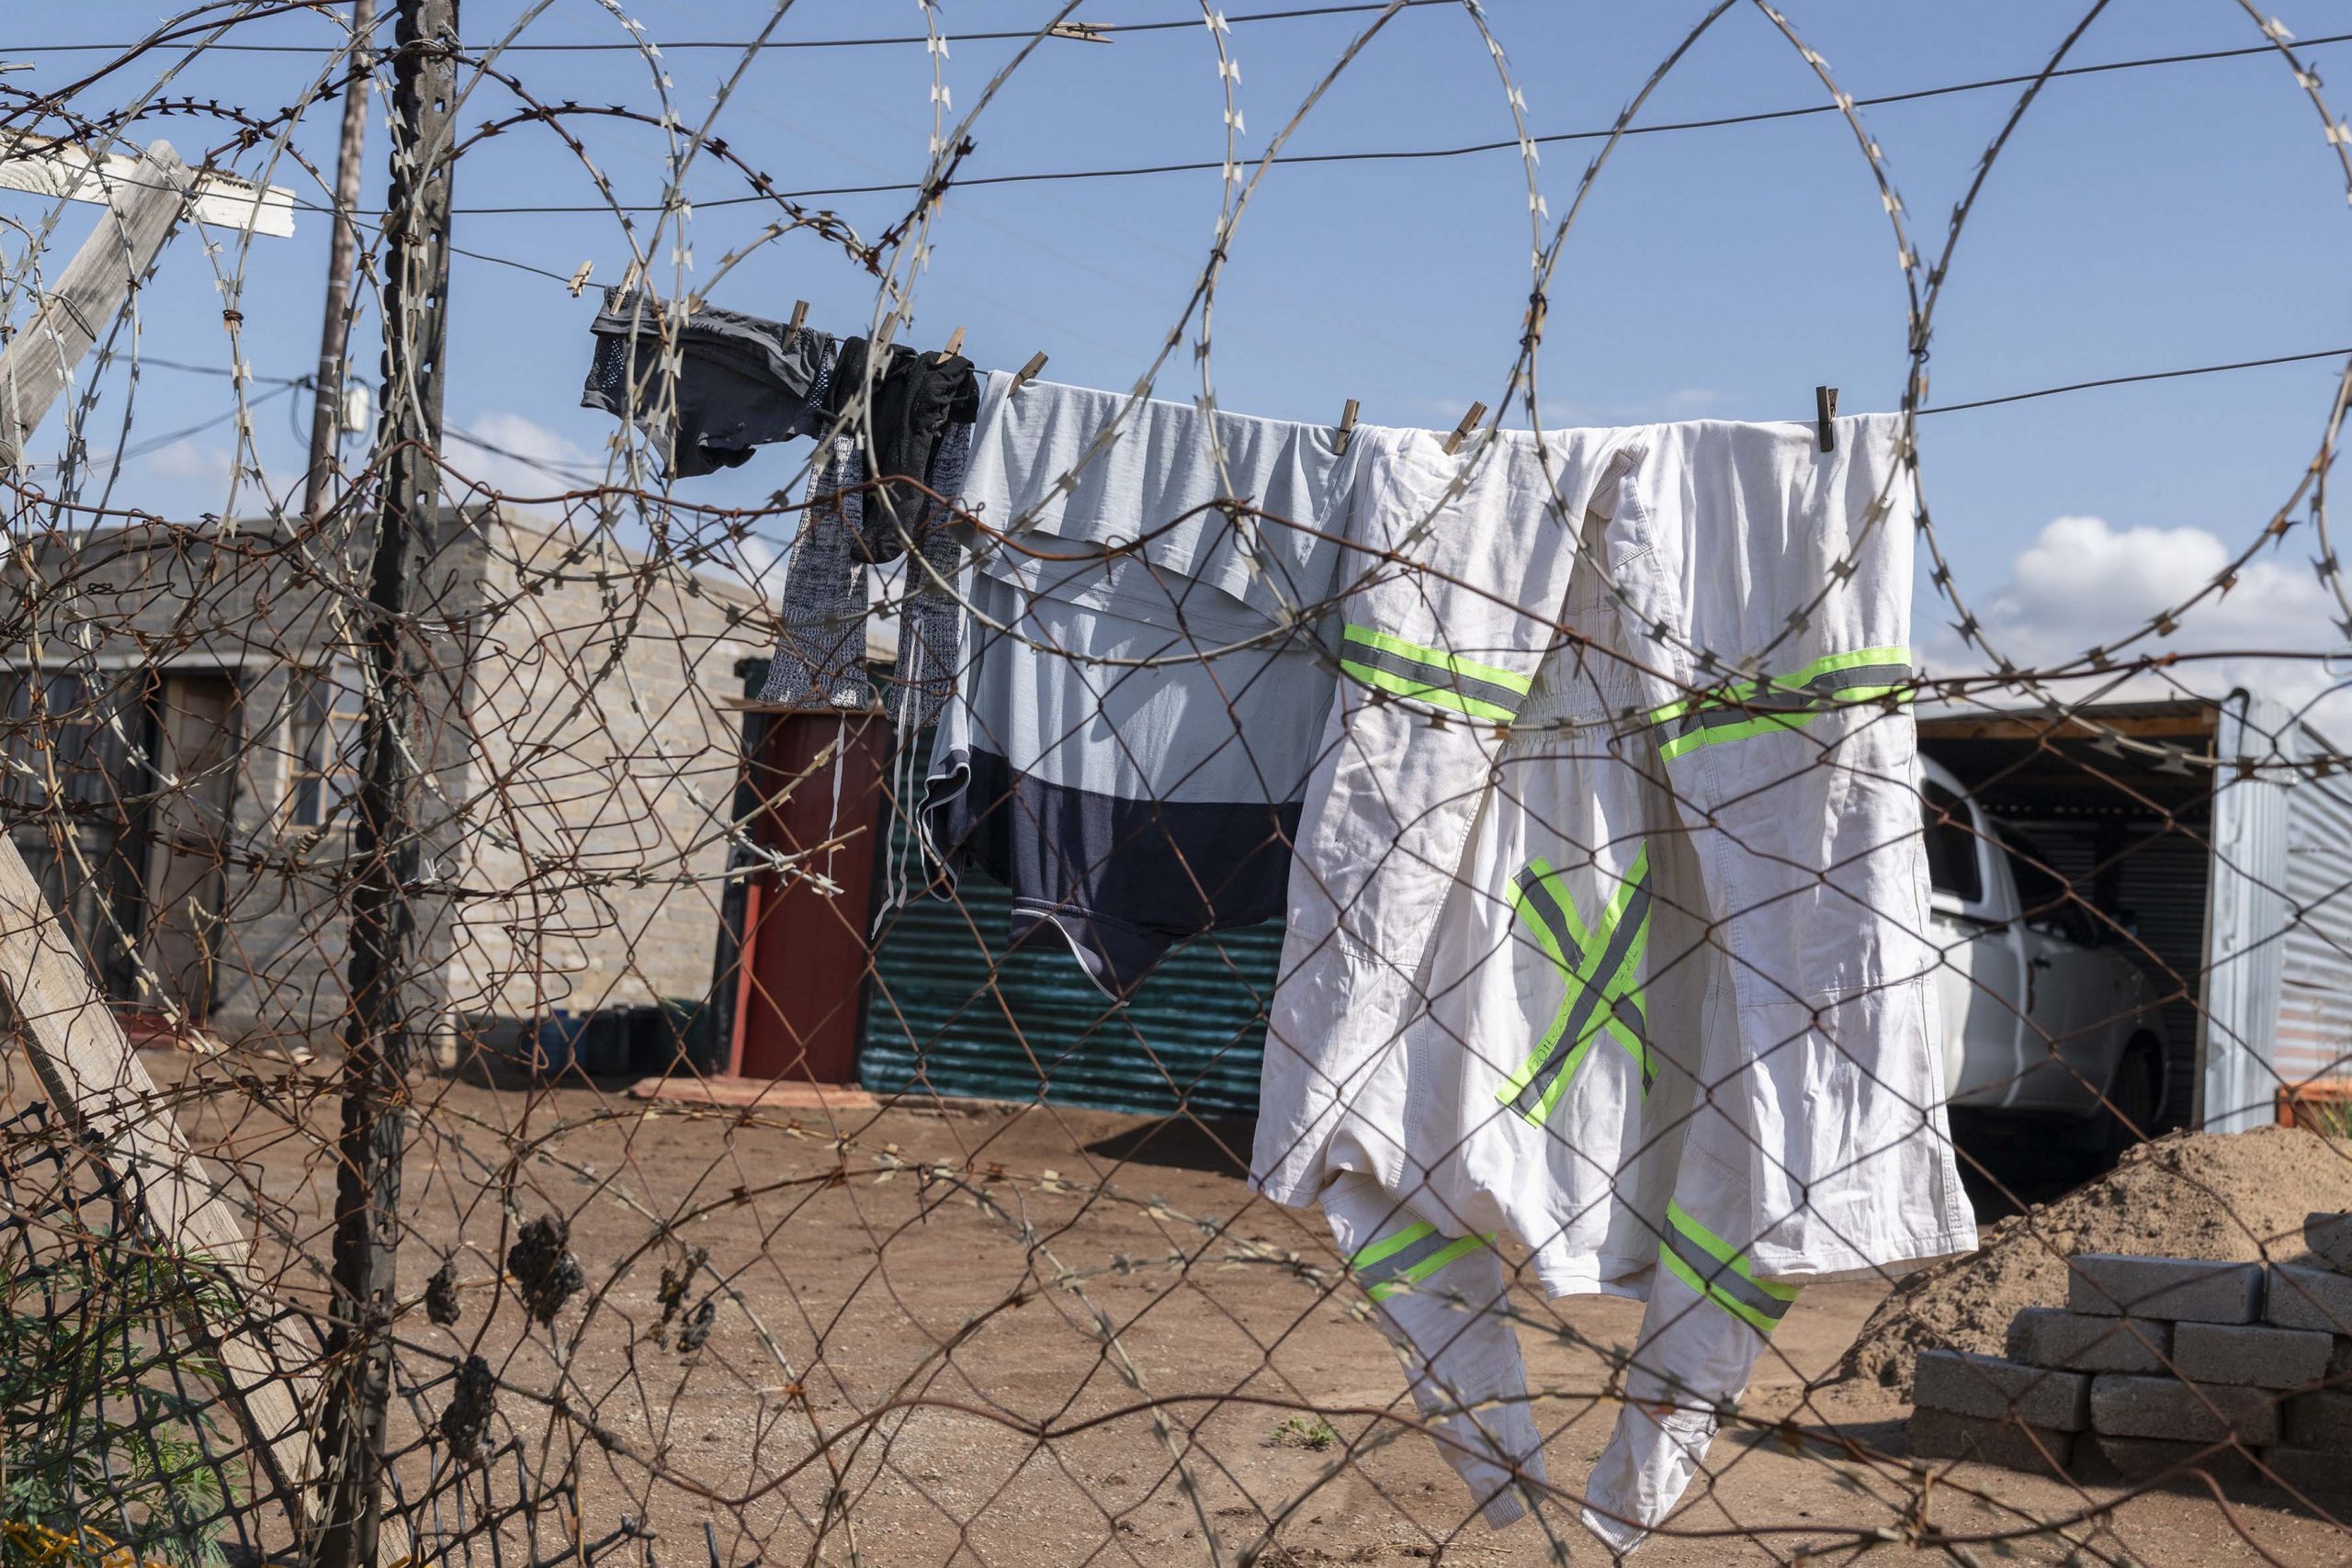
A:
1099, 979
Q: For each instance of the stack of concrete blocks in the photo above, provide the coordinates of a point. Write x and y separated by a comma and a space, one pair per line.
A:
2158, 1365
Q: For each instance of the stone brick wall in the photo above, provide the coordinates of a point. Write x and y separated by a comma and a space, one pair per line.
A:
579, 763
604, 770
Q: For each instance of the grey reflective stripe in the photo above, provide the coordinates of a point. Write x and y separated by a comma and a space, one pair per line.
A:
1721, 1276
1530, 1100
1435, 676
1395, 1266
1538, 893
1629, 1013
1812, 696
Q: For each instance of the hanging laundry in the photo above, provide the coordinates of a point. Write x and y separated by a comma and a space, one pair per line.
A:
820, 658
735, 381
1600, 944
897, 415
1439, 1298
1140, 712
912, 401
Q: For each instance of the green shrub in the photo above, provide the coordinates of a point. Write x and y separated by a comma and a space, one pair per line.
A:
108, 1420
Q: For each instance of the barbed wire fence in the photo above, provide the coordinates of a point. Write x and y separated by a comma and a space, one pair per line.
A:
391, 923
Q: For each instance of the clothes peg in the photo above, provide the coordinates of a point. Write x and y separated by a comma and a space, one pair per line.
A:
1028, 372
1083, 32
1462, 432
1825, 409
580, 278
955, 346
1347, 426
799, 314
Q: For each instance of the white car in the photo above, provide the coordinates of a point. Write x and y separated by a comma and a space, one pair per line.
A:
2045, 1011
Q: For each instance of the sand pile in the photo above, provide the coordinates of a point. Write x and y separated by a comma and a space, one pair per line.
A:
2235, 1198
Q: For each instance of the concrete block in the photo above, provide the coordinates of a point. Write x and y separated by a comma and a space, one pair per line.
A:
1995, 1390
2330, 1238
1942, 1434
2082, 1342
2111, 1284
2304, 1297
2137, 1460
2307, 1470
2250, 1353
2123, 1406
2322, 1420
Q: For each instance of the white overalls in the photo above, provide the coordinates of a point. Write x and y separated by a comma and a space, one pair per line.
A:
1606, 947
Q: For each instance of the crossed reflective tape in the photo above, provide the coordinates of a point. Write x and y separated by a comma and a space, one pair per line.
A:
1721, 1272
1428, 675
1604, 987
1412, 1255
1785, 702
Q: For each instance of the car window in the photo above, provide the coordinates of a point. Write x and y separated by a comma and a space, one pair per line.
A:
1953, 865
2044, 900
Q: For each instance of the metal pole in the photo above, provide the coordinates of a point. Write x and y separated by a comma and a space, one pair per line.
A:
384, 849
334, 333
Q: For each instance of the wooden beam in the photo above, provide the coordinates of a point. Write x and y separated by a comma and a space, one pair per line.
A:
2191, 722
97, 1083
45, 166
39, 363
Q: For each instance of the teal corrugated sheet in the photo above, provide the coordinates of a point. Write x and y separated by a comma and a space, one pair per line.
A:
951, 1012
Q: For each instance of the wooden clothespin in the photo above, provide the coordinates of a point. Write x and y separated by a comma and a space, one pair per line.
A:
1028, 372
1347, 426
1825, 409
955, 346
1462, 432
579, 279
799, 314
1084, 32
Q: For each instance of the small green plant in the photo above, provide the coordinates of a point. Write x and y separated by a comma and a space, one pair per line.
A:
1310, 1432
108, 1432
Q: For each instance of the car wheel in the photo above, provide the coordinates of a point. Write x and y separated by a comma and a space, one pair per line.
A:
2129, 1113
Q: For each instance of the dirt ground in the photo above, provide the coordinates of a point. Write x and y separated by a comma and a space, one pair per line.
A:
966, 1335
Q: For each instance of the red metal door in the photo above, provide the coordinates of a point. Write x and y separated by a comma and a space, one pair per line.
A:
797, 1013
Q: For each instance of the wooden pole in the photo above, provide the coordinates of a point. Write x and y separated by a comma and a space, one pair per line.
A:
334, 332
386, 852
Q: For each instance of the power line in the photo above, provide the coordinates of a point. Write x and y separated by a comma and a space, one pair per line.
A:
2143, 376
148, 360
762, 47
1402, 154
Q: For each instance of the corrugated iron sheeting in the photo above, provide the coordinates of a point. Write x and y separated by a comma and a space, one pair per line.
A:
2315, 1011
952, 1013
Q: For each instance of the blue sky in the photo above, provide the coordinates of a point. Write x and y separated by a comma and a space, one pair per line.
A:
2142, 220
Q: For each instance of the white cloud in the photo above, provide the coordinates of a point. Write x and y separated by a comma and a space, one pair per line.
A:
517, 455
185, 459
2083, 582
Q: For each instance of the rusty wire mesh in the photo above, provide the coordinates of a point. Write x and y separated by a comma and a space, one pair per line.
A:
902, 1324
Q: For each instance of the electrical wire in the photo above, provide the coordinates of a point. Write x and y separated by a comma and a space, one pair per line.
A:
2144, 376
1473, 149
1021, 34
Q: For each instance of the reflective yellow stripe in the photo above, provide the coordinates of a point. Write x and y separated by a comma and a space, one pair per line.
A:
1778, 703
1429, 675
1715, 1270
1604, 977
